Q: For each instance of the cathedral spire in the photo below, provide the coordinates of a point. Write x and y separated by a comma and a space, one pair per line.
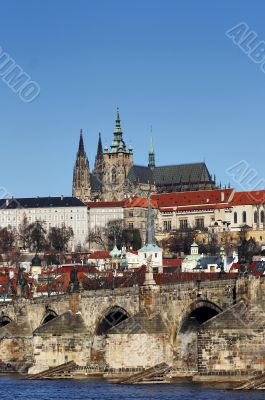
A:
81, 148
98, 167
100, 149
118, 122
118, 144
151, 157
81, 177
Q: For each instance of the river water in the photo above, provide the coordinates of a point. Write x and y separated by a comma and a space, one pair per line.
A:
19, 389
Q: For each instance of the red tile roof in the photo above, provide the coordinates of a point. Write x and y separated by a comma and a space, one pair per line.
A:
99, 255
250, 197
105, 204
80, 268
188, 208
172, 262
132, 251
198, 198
140, 202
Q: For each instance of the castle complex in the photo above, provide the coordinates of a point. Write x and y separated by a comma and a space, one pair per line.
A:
116, 177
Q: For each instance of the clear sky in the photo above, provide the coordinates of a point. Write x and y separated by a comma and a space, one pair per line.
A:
163, 62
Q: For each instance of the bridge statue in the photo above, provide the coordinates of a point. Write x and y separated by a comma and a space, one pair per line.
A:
149, 277
74, 283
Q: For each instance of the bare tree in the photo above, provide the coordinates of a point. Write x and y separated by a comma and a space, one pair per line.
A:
35, 236
59, 237
114, 231
247, 248
22, 231
7, 239
98, 237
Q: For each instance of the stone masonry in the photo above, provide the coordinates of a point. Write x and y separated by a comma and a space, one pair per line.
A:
126, 327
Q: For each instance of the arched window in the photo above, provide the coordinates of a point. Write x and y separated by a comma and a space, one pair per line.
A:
262, 216
255, 217
244, 217
235, 217
113, 175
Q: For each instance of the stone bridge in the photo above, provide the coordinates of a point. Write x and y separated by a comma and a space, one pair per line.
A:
127, 327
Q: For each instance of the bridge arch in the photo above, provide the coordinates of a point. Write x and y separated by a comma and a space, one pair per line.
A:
184, 333
111, 317
198, 312
4, 320
49, 315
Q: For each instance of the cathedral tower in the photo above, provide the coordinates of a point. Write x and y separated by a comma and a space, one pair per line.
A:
81, 177
117, 162
151, 156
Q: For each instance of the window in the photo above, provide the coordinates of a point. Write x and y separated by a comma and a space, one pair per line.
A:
183, 223
155, 255
130, 225
167, 226
199, 222
130, 213
262, 216
235, 217
255, 217
113, 175
244, 217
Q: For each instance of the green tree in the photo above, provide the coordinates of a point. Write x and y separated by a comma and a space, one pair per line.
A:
132, 238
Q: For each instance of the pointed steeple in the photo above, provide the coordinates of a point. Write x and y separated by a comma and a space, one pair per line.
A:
98, 167
150, 224
151, 156
81, 175
118, 144
118, 122
81, 148
100, 148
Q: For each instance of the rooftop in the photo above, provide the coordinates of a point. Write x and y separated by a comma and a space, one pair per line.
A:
105, 204
200, 198
171, 175
140, 202
40, 202
250, 197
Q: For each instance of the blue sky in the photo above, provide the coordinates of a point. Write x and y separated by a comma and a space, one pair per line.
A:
163, 62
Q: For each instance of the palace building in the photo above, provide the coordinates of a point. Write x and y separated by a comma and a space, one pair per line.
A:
116, 177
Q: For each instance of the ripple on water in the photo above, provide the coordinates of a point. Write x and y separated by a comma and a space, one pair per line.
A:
12, 389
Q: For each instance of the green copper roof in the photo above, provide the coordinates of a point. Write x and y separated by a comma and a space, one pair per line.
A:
118, 145
115, 252
151, 149
150, 248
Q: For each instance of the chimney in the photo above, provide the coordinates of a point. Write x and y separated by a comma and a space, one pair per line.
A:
7, 202
62, 197
222, 196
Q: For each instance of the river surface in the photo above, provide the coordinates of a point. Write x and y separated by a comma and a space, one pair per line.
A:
19, 389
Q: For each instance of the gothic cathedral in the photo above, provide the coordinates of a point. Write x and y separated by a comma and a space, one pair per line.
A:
115, 176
